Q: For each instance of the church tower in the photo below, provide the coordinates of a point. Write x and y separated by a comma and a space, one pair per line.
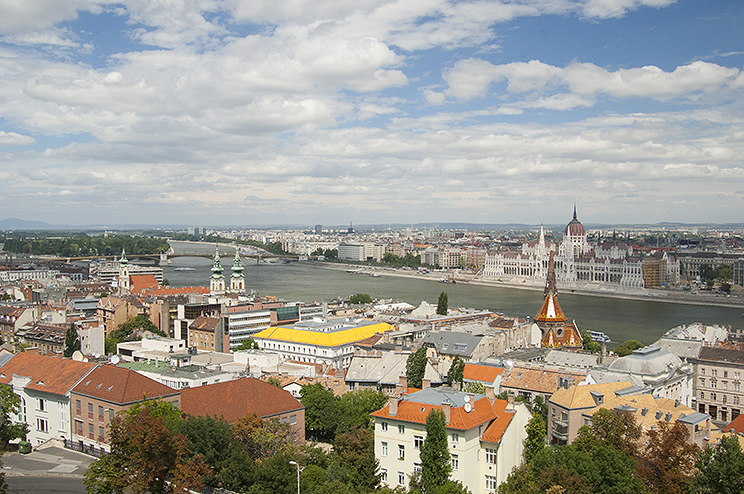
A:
237, 280
217, 281
124, 272
556, 331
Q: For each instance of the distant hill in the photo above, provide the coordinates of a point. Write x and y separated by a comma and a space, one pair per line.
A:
17, 224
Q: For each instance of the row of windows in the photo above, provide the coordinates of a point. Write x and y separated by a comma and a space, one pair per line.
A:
735, 400
490, 481
490, 453
714, 373
724, 384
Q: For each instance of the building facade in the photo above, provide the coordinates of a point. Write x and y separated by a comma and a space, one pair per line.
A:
485, 436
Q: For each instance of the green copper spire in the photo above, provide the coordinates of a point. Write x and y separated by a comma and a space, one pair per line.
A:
237, 268
123, 261
217, 266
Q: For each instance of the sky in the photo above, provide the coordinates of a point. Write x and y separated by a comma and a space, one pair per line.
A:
257, 112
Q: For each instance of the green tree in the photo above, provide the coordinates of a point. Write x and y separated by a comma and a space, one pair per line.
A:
416, 367
442, 304
248, 344
330, 254
145, 457
10, 404
274, 381
360, 298
321, 412
354, 408
208, 436
456, 372
356, 452
537, 433
628, 347
435, 457
719, 469
589, 344
615, 428
72, 341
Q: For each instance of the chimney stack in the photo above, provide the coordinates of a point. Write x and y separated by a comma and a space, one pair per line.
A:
402, 384
425, 383
490, 393
393, 408
446, 408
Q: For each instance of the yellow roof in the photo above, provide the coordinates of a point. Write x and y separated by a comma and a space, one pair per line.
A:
318, 338
580, 396
652, 406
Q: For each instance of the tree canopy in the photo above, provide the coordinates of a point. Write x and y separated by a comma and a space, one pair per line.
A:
416, 367
719, 468
72, 341
628, 347
360, 298
435, 457
443, 304
456, 372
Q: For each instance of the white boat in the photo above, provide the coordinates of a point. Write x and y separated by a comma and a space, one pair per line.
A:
599, 337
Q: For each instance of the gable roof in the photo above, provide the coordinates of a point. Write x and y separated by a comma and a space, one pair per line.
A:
235, 399
537, 380
452, 342
120, 386
482, 373
204, 323
575, 396
49, 374
141, 282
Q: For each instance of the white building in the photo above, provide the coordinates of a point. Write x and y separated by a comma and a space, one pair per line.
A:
320, 342
44, 384
665, 374
485, 435
153, 347
576, 262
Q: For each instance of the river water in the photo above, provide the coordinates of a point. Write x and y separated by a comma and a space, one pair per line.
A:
620, 319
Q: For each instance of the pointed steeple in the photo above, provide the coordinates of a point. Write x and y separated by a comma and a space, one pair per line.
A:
217, 268
551, 287
237, 268
123, 261
574, 216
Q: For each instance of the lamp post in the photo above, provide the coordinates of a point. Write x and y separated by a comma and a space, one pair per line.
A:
298, 474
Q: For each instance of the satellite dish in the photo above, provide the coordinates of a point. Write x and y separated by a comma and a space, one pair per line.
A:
468, 407
467, 399
77, 356
115, 359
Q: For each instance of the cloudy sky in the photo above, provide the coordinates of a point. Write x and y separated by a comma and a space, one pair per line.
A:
230, 112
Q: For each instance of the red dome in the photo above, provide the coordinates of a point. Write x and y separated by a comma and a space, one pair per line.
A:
575, 228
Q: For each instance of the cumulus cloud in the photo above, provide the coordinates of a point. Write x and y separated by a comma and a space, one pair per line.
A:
473, 78
14, 139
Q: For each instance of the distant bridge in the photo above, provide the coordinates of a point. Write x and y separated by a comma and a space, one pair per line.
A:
165, 258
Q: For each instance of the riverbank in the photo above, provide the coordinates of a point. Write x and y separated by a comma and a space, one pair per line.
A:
644, 295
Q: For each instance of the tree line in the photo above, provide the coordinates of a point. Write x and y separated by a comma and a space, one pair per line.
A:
85, 245
613, 455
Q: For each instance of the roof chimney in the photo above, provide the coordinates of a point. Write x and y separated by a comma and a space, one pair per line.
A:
403, 383
393, 406
456, 386
446, 408
425, 383
510, 399
490, 393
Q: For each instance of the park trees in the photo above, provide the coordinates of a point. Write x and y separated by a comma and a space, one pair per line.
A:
360, 298
628, 347
719, 469
146, 457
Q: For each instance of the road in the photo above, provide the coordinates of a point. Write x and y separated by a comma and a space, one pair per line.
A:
38, 484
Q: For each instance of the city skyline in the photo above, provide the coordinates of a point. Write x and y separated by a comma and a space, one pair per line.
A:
266, 113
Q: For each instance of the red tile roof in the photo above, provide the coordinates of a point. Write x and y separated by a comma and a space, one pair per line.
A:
483, 373
50, 374
204, 323
120, 386
737, 424
236, 399
141, 282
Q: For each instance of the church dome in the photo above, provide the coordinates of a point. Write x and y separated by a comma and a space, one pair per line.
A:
575, 228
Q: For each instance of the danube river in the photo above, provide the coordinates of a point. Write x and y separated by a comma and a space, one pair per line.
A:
621, 319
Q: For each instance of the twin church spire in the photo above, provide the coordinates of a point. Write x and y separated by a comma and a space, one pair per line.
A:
217, 283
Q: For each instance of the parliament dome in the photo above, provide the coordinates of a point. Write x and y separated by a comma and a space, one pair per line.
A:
575, 228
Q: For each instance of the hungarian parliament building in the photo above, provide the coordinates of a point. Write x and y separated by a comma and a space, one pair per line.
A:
609, 264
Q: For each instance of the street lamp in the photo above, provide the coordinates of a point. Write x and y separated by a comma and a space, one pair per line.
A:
298, 474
